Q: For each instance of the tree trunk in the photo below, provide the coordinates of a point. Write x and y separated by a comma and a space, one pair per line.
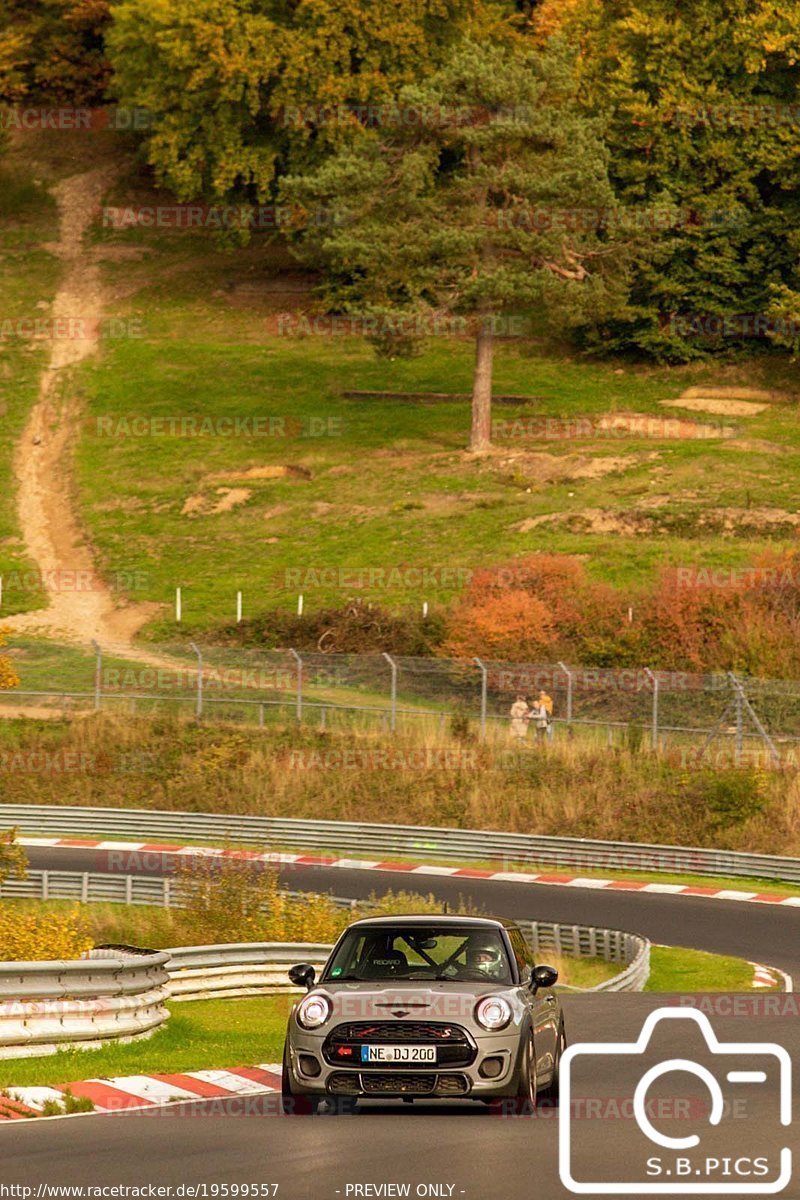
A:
481, 436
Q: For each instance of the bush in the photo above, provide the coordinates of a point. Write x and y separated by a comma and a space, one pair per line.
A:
27, 936
356, 628
8, 676
12, 856
230, 900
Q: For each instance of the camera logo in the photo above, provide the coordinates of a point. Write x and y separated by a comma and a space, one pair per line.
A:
671, 1165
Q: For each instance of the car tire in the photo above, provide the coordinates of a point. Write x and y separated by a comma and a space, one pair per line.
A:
549, 1095
292, 1104
523, 1103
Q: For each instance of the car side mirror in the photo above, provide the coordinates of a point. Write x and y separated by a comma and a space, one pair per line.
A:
543, 977
303, 975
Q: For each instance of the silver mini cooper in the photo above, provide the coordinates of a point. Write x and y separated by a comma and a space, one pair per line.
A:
436, 1007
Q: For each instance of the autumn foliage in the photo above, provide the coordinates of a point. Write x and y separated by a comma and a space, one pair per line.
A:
53, 51
8, 676
545, 608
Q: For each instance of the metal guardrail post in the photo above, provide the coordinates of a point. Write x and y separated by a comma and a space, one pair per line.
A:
568, 674
654, 728
393, 665
199, 707
98, 675
484, 684
299, 691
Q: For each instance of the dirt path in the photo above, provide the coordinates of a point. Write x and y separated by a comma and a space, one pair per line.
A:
80, 605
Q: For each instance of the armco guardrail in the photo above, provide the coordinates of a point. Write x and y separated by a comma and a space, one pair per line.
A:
588, 941
107, 996
343, 838
209, 972
94, 887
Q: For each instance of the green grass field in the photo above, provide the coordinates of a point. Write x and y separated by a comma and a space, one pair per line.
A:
374, 485
391, 487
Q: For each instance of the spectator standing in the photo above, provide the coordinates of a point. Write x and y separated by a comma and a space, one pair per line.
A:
520, 716
541, 719
546, 702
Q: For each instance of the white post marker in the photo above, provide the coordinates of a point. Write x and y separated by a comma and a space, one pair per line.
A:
178, 604
300, 606
238, 608
424, 608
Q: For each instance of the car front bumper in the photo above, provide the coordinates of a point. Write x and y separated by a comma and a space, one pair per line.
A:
491, 1074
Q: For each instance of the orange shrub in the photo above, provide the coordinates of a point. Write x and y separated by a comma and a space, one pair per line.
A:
510, 625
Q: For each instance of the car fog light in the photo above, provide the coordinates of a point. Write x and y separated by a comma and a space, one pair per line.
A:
309, 1066
493, 1013
490, 1068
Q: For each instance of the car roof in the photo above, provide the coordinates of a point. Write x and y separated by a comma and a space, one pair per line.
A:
454, 919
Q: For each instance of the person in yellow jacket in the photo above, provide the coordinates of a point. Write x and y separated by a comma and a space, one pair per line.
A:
545, 703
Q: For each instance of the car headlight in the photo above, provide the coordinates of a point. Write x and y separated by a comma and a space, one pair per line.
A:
313, 1011
493, 1013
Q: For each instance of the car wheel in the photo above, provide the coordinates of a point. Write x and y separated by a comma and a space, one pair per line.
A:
549, 1095
292, 1104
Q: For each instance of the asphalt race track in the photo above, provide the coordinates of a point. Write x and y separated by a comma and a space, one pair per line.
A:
756, 932
481, 1155
461, 1150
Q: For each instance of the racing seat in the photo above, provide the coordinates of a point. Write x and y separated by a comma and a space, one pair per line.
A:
383, 964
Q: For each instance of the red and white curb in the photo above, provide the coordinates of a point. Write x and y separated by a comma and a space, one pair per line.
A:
769, 977
407, 868
147, 1091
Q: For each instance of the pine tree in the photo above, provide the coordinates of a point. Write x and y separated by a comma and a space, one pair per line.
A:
485, 207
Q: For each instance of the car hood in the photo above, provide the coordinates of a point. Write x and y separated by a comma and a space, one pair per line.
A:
445, 1001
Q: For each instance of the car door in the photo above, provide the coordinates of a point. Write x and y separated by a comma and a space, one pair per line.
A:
542, 1004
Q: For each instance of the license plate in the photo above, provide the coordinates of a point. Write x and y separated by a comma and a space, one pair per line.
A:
398, 1054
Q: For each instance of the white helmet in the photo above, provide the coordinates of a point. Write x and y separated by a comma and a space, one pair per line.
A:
485, 957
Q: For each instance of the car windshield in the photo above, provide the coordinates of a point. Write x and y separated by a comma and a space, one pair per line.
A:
421, 952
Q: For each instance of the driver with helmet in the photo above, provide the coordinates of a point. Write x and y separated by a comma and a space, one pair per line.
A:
485, 956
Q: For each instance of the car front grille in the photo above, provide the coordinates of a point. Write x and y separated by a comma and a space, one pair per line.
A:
454, 1047
401, 1031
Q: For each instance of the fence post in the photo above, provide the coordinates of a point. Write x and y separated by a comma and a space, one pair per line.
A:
393, 665
484, 673
654, 681
739, 724
741, 703
568, 674
98, 675
299, 700
199, 708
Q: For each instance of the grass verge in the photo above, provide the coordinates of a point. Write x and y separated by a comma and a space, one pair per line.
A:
200, 1034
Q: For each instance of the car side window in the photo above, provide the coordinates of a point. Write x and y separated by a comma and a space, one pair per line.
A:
522, 952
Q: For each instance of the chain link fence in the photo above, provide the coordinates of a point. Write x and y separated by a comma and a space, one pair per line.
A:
633, 706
